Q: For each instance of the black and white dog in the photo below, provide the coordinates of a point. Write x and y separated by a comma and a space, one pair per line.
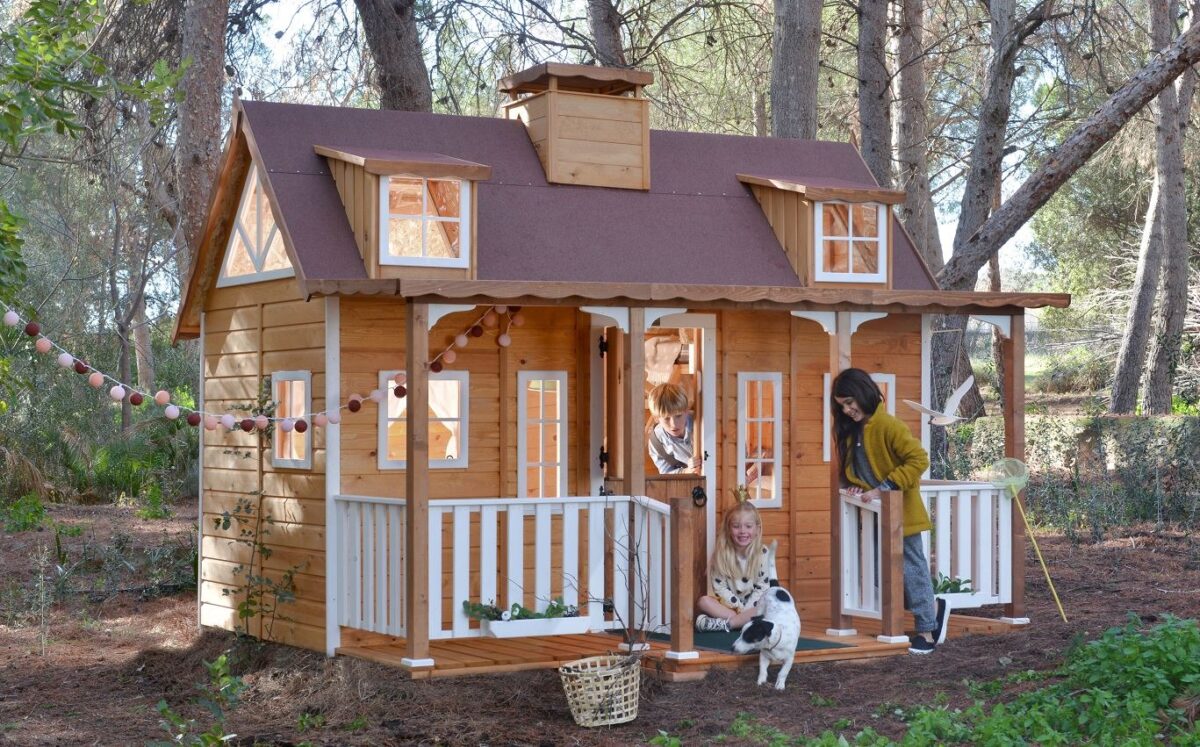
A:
773, 633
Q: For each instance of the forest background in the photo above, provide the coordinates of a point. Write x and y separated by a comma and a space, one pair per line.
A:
1070, 122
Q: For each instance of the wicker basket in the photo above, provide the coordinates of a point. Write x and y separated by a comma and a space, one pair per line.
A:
602, 690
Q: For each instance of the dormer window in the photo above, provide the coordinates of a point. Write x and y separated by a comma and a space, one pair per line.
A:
424, 221
851, 242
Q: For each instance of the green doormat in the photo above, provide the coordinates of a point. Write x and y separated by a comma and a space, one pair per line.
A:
723, 642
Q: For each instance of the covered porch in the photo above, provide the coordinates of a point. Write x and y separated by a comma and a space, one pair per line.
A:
399, 568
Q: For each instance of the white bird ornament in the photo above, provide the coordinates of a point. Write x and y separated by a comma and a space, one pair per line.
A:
952, 402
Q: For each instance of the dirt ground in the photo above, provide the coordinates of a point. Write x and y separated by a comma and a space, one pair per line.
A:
110, 655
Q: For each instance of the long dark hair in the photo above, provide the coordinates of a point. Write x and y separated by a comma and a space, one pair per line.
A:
857, 384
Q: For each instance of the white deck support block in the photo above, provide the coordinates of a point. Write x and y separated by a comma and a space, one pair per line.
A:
1015, 620
892, 638
841, 632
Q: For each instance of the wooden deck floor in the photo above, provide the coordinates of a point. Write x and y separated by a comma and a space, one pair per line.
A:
468, 656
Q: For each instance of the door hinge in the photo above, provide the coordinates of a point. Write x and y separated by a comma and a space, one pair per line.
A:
602, 345
603, 457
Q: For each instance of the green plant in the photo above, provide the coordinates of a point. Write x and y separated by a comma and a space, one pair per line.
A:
489, 611
221, 695
310, 721
152, 504
262, 593
24, 514
665, 739
947, 585
358, 724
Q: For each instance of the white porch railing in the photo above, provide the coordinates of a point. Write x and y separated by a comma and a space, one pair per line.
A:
584, 549
370, 573
971, 539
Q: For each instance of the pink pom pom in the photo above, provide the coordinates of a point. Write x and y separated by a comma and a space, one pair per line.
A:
287, 425
228, 422
504, 341
459, 340
518, 320
117, 393
400, 378
261, 422
162, 397
42, 345
171, 412
65, 360
334, 417
96, 379
489, 319
320, 420
449, 356
210, 422
376, 395
11, 318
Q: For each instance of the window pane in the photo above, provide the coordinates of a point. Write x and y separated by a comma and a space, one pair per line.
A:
532, 482
249, 218
443, 398
866, 220
866, 256
444, 198
549, 442
766, 390
238, 262
835, 219
550, 400
443, 239
404, 237
397, 446
550, 482
444, 439
837, 256
404, 196
276, 258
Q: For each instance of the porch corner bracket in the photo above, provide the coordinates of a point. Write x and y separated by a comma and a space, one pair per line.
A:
827, 319
682, 655
1002, 323
841, 632
408, 663
653, 315
859, 318
892, 638
439, 310
1015, 620
618, 315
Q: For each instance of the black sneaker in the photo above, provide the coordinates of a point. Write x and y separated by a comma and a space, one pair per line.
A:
918, 644
941, 620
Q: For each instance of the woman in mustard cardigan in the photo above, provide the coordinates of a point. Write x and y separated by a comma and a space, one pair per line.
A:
877, 452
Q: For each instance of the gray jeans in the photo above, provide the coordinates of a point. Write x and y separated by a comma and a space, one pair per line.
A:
918, 587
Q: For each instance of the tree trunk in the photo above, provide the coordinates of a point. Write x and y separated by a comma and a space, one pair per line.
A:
605, 23
391, 30
997, 338
795, 72
1132, 356
1089, 136
143, 348
1172, 204
198, 145
874, 90
912, 143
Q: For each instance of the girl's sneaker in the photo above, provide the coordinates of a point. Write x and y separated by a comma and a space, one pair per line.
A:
707, 624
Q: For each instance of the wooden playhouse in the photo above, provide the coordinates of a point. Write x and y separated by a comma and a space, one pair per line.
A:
560, 254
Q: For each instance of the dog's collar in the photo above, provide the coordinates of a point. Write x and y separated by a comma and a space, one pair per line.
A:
776, 637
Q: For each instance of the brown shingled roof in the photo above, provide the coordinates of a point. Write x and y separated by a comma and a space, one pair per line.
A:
697, 225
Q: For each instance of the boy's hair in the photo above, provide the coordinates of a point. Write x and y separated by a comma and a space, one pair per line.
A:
666, 399
724, 561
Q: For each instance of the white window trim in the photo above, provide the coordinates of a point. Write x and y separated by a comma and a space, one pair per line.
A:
744, 378
880, 276
386, 384
306, 462
881, 378
464, 226
523, 379
223, 280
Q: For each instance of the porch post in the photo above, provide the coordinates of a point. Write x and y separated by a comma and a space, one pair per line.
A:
683, 590
839, 360
891, 566
1013, 354
416, 485
633, 443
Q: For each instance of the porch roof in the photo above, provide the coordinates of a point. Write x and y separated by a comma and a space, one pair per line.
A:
543, 293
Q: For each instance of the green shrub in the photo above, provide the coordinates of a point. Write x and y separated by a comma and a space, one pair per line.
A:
24, 514
1077, 370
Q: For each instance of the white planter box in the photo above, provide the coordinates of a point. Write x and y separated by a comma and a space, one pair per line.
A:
962, 600
536, 626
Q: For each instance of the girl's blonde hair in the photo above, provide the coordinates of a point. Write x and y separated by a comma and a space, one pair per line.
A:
724, 562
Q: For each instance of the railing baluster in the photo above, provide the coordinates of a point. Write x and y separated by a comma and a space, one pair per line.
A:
570, 549
514, 570
983, 582
395, 572
963, 515
382, 596
945, 530
435, 571
541, 565
489, 551
595, 570
654, 587
868, 551
461, 584
621, 547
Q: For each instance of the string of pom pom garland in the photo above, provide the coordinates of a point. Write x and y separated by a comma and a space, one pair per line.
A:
491, 318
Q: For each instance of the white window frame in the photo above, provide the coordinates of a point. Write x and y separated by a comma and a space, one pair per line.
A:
386, 385
744, 378
523, 380
883, 214
464, 224
890, 401
306, 462
223, 280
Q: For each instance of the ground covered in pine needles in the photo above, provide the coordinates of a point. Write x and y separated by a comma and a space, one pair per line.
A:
87, 662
